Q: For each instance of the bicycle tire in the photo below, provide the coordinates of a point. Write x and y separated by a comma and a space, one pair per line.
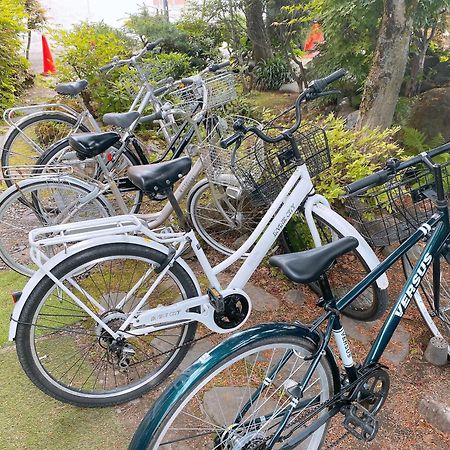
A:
12, 153
436, 319
61, 154
35, 203
212, 392
225, 236
48, 330
344, 274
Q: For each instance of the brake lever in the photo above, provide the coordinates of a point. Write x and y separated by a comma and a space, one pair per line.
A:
314, 95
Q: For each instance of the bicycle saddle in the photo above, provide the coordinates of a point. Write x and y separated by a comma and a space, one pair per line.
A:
72, 88
88, 145
306, 267
155, 178
121, 120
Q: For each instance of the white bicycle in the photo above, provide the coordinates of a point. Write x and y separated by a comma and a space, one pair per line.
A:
113, 314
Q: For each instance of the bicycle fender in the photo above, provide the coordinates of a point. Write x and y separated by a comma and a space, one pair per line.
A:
156, 415
18, 124
369, 256
77, 248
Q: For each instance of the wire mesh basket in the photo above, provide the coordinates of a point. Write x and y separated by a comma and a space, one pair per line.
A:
216, 160
392, 212
221, 89
263, 171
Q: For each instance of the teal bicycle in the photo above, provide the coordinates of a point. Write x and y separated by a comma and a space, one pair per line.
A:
277, 385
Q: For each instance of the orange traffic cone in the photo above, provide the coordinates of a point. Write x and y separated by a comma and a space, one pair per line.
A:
49, 66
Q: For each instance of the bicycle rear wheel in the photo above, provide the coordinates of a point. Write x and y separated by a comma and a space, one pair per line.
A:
345, 273
43, 129
240, 401
62, 155
37, 203
435, 311
69, 356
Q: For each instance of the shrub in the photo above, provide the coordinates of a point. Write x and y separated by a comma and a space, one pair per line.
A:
191, 36
354, 155
13, 74
271, 74
86, 48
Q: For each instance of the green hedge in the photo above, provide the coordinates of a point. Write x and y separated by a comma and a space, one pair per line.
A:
13, 66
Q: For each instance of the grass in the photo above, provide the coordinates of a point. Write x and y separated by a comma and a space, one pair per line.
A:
9, 281
31, 419
274, 101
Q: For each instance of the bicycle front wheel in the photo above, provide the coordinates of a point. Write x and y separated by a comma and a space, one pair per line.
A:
31, 137
240, 402
222, 216
345, 273
37, 203
435, 310
70, 356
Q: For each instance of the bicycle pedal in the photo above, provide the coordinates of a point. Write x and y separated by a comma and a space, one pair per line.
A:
360, 423
216, 300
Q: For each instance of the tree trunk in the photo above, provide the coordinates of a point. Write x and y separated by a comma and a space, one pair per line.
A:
256, 30
389, 63
27, 51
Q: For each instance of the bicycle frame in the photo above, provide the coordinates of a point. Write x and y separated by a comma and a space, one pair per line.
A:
297, 191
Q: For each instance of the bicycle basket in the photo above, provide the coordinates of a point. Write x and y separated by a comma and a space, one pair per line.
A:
264, 171
221, 89
215, 159
393, 211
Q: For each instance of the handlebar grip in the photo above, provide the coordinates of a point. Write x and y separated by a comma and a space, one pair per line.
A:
107, 67
320, 84
152, 117
187, 81
231, 140
152, 45
216, 67
371, 180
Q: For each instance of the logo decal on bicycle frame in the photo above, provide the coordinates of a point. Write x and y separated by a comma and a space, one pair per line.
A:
412, 288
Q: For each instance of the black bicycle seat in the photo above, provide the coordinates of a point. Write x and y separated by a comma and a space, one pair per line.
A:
73, 88
155, 178
306, 267
121, 120
88, 145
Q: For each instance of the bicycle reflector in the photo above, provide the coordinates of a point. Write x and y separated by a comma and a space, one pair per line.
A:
16, 296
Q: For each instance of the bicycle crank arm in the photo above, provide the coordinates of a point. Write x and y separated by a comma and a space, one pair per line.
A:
236, 312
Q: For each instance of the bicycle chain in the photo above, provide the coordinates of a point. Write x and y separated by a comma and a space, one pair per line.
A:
303, 418
193, 342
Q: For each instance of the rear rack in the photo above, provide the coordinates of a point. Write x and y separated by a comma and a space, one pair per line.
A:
17, 173
13, 115
47, 241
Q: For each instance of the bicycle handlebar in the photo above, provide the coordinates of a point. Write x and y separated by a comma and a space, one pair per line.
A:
314, 90
116, 62
392, 167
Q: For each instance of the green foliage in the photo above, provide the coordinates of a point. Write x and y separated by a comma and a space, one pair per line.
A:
351, 31
13, 65
85, 49
354, 155
272, 73
191, 36
416, 141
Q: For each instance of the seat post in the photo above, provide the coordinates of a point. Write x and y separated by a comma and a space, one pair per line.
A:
325, 287
176, 207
